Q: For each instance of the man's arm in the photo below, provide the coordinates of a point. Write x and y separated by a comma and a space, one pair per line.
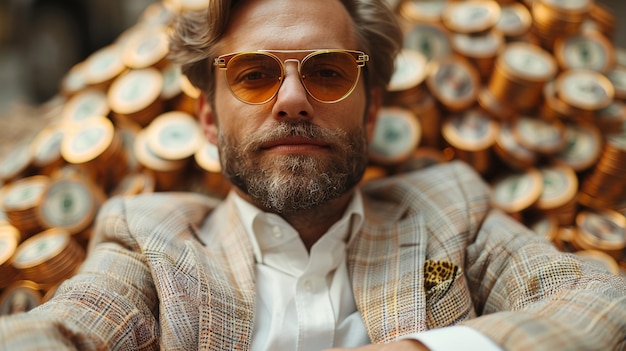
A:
110, 303
533, 297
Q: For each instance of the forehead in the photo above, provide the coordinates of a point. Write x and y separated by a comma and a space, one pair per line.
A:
289, 24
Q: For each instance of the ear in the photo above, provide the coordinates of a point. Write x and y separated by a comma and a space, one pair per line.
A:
207, 118
371, 115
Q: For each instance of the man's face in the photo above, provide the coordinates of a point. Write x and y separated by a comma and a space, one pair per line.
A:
292, 153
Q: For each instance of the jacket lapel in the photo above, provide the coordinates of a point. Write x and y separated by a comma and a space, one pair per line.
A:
227, 285
386, 262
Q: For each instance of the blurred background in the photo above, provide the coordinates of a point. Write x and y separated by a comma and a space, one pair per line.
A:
40, 40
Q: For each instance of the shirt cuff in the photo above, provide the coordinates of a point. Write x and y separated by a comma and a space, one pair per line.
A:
454, 338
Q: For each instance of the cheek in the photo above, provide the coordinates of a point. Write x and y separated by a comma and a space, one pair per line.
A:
238, 121
348, 114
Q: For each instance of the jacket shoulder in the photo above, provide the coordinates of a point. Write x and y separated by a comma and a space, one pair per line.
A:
451, 181
453, 190
138, 218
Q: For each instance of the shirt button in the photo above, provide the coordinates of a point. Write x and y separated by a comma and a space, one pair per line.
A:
277, 232
308, 286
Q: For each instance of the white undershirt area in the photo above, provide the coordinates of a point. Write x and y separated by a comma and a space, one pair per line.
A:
304, 300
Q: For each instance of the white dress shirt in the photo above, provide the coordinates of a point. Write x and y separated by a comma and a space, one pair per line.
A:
304, 300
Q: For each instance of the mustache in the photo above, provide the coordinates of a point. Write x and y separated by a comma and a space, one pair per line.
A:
308, 130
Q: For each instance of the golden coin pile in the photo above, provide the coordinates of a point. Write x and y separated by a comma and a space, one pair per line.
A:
123, 123
530, 93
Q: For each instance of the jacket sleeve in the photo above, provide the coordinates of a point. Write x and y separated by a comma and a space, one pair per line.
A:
530, 296
110, 304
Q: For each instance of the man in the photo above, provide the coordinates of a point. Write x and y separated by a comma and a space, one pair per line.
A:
297, 257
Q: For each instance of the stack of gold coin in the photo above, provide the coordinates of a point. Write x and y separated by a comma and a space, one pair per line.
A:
128, 133
611, 119
46, 149
423, 157
148, 47
543, 137
553, 19
208, 160
429, 117
48, 257
603, 259
430, 39
516, 193
174, 135
85, 104
71, 203
585, 50
515, 21
17, 163
583, 146
172, 89
584, 93
601, 19
20, 296
73, 81
511, 152
472, 136
9, 240
136, 96
157, 13
96, 147
617, 76
167, 174
103, 66
558, 198
605, 186
497, 109
521, 71
553, 108
178, 93
419, 11
396, 137
187, 5
545, 226
601, 230
134, 183
474, 34
453, 82
186, 101
407, 89
480, 49
564, 239
21, 200
373, 172
407, 82
471, 16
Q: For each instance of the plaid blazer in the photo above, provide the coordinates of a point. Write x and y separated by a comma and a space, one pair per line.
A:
152, 282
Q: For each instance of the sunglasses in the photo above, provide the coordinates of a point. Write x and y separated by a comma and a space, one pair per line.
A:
328, 75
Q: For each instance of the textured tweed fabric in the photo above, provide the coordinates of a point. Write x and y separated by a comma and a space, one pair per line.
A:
150, 281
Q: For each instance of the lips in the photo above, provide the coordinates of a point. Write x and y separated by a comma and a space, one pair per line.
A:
294, 142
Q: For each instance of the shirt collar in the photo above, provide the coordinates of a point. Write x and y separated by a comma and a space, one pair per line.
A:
253, 217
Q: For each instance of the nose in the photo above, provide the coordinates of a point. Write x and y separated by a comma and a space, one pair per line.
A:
292, 100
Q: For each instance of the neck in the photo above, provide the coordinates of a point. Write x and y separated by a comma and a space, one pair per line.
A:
312, 224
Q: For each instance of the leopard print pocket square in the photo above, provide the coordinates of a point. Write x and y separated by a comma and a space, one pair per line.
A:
438, 277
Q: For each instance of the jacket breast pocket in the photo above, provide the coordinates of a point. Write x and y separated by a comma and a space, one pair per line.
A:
448, 299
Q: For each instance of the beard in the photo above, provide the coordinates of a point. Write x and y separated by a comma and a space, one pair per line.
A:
291, 183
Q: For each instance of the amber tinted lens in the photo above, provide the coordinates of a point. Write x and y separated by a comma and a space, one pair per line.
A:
254, 77
330, 76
